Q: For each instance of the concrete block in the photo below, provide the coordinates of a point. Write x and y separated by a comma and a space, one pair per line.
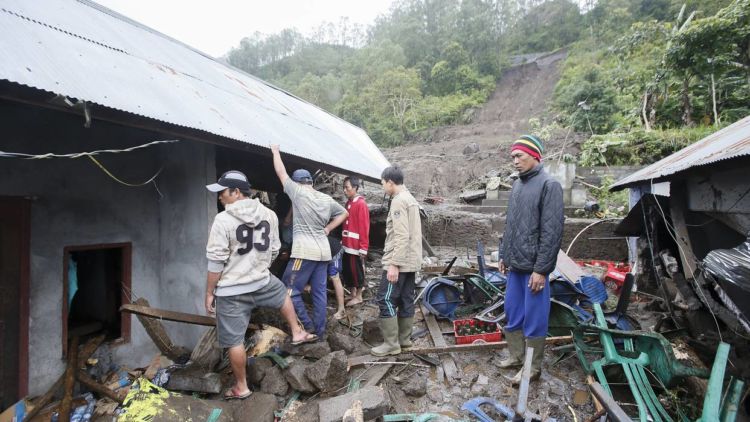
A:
371, 332
415, 386
295, 376
374, 404
341, 341
189, 379
329, 373
316, 350
260, 405
257, 370
577, 196
274, 382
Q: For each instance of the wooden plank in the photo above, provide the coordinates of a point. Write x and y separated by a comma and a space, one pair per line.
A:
157, 332
376, 374
677, 206
94, 386
70, 380
88, 349
481, 347
567, 267
166, 315
449, 366
360, 360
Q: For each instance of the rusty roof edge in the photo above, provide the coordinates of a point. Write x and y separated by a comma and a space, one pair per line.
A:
651, 174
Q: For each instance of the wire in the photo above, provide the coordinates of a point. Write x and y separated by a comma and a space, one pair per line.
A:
671, 230
4, 154
135, 185
570, 246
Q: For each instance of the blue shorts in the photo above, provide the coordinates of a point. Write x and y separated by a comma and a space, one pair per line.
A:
334, 265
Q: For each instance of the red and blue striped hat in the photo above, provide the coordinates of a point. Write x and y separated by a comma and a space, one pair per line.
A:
529, 144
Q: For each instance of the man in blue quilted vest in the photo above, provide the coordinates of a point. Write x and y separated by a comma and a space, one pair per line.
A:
533, 234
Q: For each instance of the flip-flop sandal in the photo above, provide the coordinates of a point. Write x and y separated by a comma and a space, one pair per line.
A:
309, 339
339, 315
233, 396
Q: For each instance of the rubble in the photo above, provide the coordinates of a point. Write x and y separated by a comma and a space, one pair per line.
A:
329, 373
374, 404
295, 376
274, 382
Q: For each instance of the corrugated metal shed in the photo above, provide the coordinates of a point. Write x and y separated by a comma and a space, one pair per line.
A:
85, 51
730, 142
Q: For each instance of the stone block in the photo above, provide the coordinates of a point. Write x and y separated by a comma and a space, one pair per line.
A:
330, 373
274, 382
341, 341
371, 332
415, 387
190, 379
374, 404
316, 350
295, 376
258, 407
257, 370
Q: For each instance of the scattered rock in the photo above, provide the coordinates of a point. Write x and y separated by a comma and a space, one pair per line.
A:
415, 387
260, 405
295, 376
435, 394
345, 342
329, 373
471, 148
374, 404
371, 332
316, 350
274, 382
257, 370
191, 379
301, 412
482, 380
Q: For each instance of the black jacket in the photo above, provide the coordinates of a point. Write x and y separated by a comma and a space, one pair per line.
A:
534, 223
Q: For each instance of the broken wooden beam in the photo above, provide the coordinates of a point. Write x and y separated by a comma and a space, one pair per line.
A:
150, 320
480, 347
362, 360
449, 366
70, 380
141, 307
376, 375
614, 411
96, 387
88, 349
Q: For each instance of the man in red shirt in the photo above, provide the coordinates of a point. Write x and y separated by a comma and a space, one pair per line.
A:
355, 239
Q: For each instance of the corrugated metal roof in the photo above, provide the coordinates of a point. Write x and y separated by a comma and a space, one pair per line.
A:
85, 51
730, 142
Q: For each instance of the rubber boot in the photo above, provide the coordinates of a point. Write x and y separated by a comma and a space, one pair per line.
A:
515, 350
390, 346
537, 343
405, 326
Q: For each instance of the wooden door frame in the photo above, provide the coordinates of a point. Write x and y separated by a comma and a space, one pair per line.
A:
126, 286
24, 205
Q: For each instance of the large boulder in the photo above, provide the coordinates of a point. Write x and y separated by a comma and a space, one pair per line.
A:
295, 376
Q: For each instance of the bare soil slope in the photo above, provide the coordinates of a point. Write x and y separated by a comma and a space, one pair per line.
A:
437, 164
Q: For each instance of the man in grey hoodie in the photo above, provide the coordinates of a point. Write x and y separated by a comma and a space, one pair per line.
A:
242, 243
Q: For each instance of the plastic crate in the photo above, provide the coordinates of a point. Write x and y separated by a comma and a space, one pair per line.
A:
493, 337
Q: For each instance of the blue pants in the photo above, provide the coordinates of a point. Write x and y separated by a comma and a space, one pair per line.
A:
298, 273
524, 309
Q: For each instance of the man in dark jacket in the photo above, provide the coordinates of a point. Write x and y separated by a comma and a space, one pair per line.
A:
533, 233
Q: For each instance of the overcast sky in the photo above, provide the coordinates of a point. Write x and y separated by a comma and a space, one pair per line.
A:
216, 26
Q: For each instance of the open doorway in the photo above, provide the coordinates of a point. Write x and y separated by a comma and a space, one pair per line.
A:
97, 283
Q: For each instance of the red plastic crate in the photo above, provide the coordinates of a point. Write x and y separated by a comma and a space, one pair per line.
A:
476, 338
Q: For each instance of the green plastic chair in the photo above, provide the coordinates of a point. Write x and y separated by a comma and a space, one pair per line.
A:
642, 352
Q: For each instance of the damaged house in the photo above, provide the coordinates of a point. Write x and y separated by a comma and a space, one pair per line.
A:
83, 234
691, 215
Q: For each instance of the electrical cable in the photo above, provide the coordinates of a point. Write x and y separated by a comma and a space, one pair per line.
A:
4, 154
671, 230
134, 185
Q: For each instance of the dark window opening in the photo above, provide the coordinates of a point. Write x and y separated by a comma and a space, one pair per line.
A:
95, 281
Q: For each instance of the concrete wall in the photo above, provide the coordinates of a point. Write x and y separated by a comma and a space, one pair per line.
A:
75, 203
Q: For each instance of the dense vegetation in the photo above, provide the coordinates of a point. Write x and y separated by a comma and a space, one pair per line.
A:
638, 72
